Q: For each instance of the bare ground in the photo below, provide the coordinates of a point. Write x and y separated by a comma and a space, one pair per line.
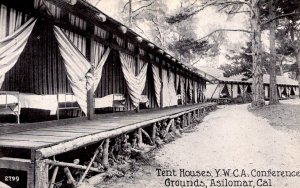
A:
232, 137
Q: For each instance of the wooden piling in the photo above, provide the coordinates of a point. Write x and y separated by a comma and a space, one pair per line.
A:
41, 174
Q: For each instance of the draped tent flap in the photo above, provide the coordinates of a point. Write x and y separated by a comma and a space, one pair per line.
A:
242, 89
266, 91
135, 84
297, 91
196, 92
157, 83
280, 90
165, 80
177, 82
234, 90
288, 90
101, 56
171, 89
190, 89
182, 89
229, 89
77, 67
221, 87
12, 46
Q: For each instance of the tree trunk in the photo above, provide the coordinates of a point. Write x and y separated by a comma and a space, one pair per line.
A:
298, 66
296, 52
257, 83
273, 84
130, 14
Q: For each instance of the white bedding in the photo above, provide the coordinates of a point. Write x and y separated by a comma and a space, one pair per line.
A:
108, 100
44, 102
9, 100
66, 98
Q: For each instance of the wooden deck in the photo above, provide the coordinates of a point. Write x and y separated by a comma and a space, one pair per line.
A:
28, 147
54, 134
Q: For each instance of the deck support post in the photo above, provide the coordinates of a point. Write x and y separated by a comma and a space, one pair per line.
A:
41, 174
147, 136
189, 119
140, 137
183, 121
31, 171
105, 163
90, 92
71, 180
53, 178
154, 132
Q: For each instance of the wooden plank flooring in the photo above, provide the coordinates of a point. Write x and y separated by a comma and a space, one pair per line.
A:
46, 136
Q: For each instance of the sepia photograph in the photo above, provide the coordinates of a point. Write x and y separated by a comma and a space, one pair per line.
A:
149, 93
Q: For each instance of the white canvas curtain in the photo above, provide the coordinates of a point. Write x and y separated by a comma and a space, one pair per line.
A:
182, 89
266, 91
242, 89
234, 90
196, 92
229, 89
296, 91
212, 91
280, 90
169, 93
77, 40
288, 90
77, 67
177, 82
202, 92
157, 83
135, 84
221, 87
12, 46
101, 55
246, 88
172, 91
165, 90
190, 90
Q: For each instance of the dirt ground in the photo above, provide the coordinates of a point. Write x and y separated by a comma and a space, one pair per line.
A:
285, 115
230, 138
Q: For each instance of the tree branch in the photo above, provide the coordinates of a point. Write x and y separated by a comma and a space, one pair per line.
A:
125, 6
141, 31
145, 6
219, 30
281, 16
238, 12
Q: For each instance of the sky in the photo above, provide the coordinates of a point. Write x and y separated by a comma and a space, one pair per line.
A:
208, 21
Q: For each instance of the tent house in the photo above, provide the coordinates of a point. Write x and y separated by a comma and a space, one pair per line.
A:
224, 88
67, 58
230, 87
286, 87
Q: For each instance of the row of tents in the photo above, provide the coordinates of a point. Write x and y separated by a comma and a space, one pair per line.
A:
222, 87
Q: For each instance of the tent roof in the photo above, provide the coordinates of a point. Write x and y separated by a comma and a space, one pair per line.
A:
83, 7
218, 75
281, 80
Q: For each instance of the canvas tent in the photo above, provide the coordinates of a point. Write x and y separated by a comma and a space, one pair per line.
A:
224, 87
235, 85
52, 50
